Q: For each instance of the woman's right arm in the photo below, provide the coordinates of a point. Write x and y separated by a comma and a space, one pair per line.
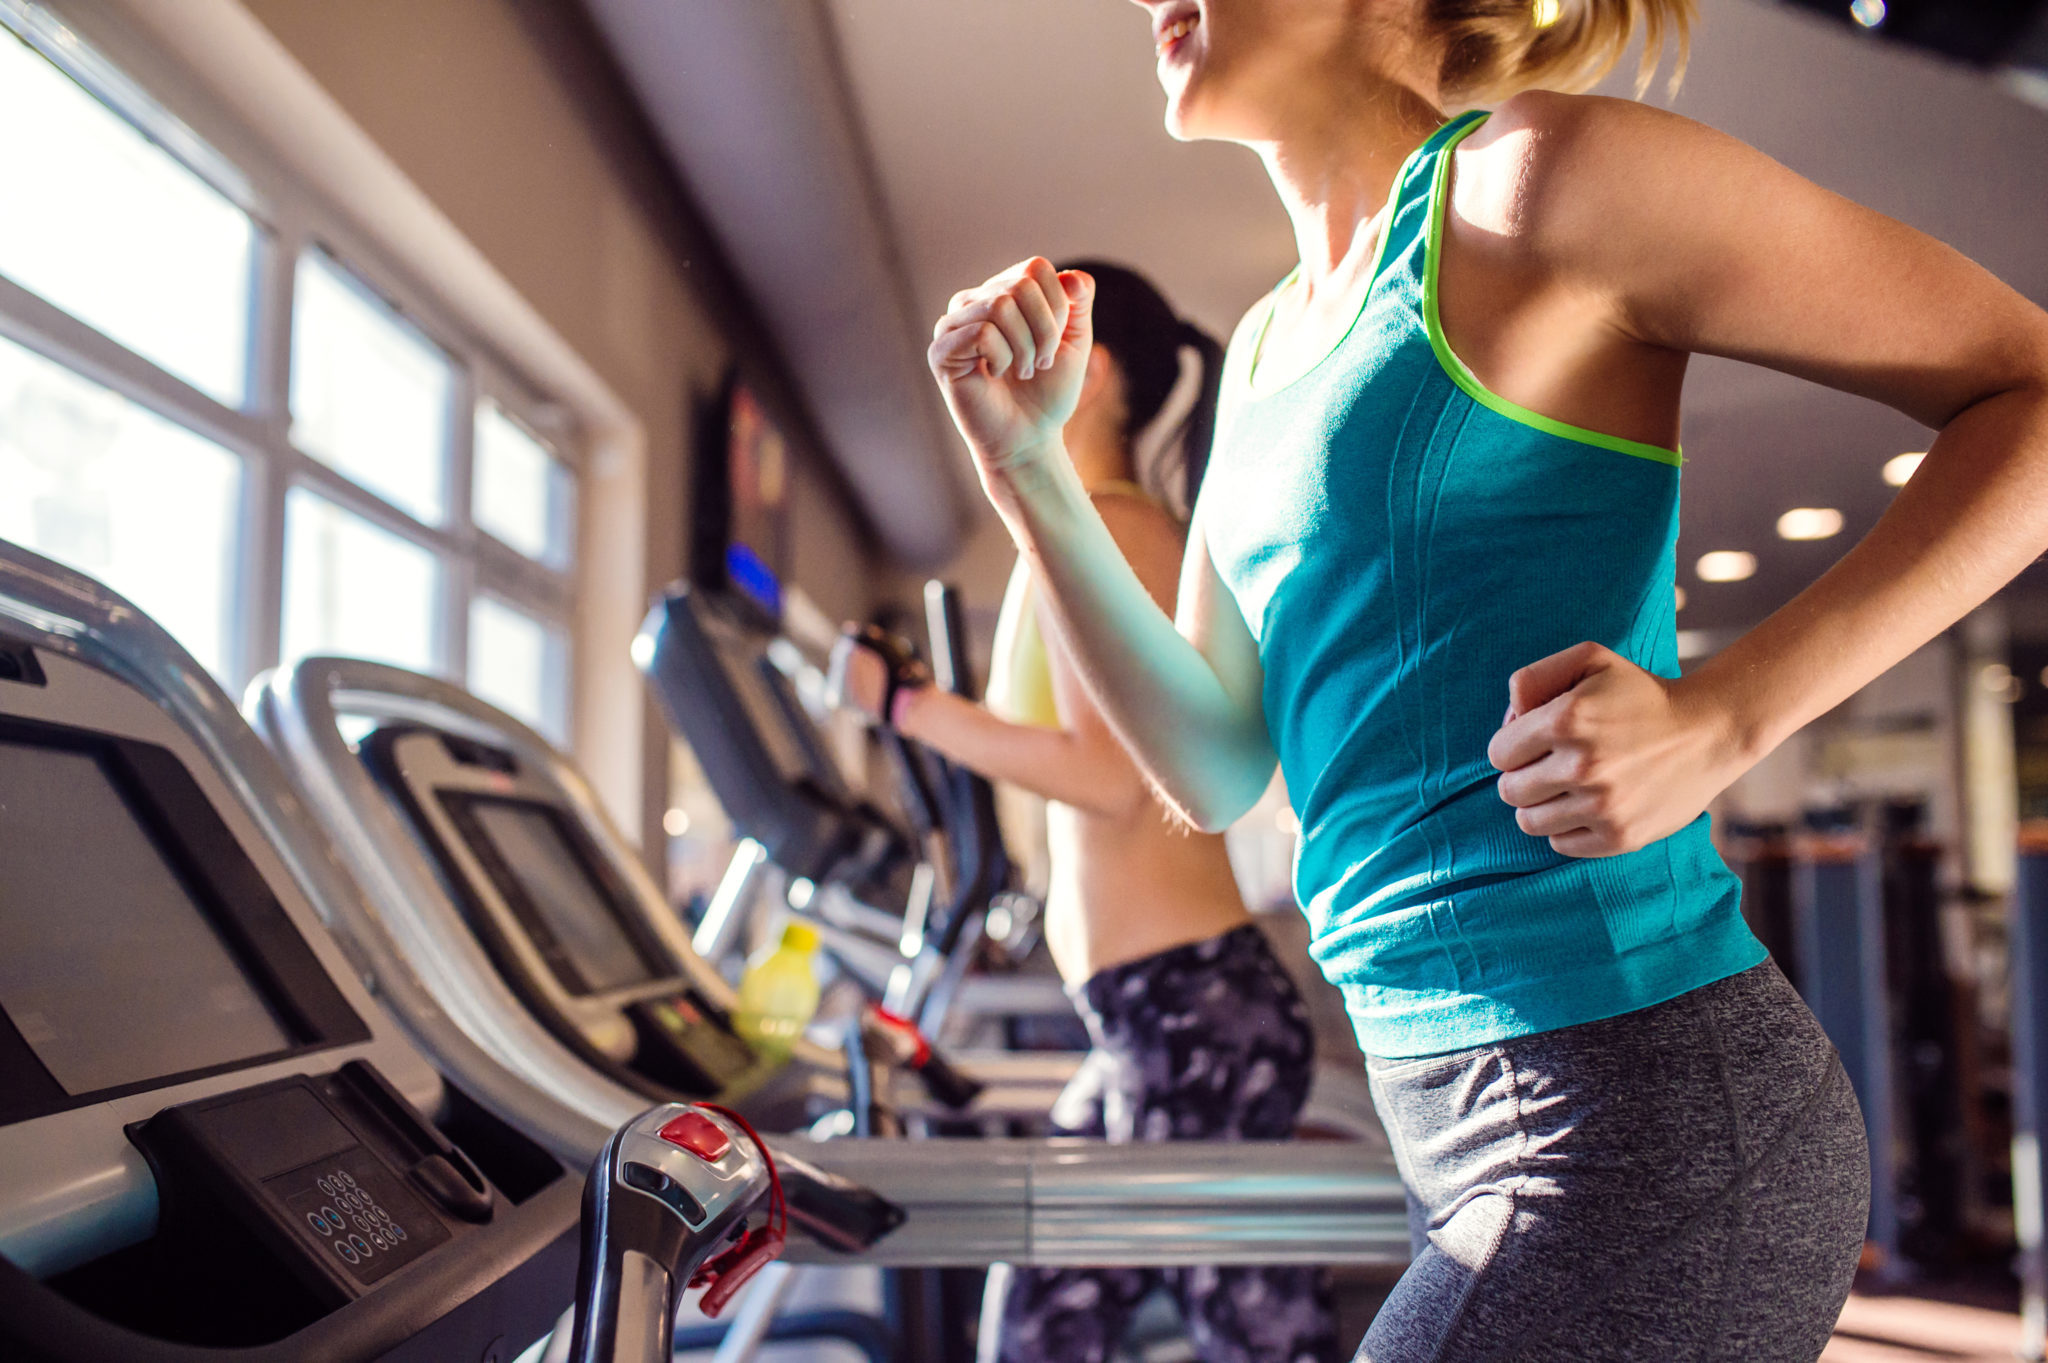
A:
1184, 696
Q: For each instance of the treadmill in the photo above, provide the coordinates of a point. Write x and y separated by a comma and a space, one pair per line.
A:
495, 876
970, 1201
180, 1177
709, 658
214, 1142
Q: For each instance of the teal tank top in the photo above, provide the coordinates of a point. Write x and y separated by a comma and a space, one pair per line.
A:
1400, 540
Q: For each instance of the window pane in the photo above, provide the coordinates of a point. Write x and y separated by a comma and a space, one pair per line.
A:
116, 231
114, 490
515, 663
369, 393
353, 589
524, 497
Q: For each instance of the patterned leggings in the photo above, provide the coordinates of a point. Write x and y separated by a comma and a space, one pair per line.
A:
1208, 1041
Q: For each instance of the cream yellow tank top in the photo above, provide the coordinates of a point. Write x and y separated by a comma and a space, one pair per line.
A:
1020, 673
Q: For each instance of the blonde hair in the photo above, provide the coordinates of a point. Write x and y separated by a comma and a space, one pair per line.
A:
1497, 48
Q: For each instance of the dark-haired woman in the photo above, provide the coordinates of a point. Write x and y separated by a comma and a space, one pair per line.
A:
1197, 1031
1431, 575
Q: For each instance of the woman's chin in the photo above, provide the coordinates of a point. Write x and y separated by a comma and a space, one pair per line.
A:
1183, 116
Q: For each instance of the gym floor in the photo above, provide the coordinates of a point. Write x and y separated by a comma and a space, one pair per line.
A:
1953, 1324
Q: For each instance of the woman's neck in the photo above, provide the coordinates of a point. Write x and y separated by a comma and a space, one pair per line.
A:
1334, 156
1098, 451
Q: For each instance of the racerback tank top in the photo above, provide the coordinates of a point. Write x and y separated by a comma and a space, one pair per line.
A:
1399, 540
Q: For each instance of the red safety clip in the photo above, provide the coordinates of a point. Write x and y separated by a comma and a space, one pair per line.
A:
921, 1049
723, 1275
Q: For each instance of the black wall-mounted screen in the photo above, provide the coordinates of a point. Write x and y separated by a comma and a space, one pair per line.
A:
110, 970
577, 923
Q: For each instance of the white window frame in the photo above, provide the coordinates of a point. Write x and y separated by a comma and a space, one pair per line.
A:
290, 221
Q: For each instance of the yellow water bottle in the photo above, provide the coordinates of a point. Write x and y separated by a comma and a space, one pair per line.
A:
779, 992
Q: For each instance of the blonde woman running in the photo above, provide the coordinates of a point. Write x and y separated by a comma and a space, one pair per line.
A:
1431, 575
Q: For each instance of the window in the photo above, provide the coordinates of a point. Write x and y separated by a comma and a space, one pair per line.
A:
353, 589
370, 395
516, 663
524, 497
147, 507
417, 507
113, 229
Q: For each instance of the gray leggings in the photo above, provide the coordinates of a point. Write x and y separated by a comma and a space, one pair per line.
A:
1684, 1184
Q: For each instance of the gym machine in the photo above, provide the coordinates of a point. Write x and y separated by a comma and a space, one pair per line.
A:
492, 871
214, 1143
100, 1239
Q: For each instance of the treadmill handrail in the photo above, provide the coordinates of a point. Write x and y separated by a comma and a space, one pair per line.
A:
298, 708
73, 615
100, 628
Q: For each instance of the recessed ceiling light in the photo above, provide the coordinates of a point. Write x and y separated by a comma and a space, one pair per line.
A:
1998, 679
1869, 13
1900, 467
1809, 523
1726, 565
675, 822
1678, 598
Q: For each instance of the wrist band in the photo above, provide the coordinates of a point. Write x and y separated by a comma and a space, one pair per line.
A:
902, 669
898, 690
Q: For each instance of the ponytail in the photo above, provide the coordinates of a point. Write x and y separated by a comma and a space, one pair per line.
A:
1141, 333
1198, 430
1497, 48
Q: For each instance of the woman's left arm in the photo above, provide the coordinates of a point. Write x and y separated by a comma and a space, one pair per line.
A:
1689, 240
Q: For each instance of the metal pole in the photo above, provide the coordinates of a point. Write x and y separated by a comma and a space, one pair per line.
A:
1838, 919
725, 915
2030, 1085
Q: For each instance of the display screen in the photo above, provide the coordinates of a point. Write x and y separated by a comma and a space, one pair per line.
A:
757, 473
109, 968
752, 676
571, 905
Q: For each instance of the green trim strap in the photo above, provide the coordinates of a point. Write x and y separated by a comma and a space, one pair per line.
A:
1455, 367
1372, 284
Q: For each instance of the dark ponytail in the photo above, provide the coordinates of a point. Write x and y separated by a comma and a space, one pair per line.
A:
1145, 337
1199, 430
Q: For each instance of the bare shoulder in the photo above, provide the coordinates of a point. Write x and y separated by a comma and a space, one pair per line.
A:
1555, 174
1138, 518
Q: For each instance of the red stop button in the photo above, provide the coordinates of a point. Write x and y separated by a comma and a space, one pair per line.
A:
698, 1134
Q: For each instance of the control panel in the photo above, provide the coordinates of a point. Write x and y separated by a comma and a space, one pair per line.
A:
686, 1042
346, 1205
337, 1177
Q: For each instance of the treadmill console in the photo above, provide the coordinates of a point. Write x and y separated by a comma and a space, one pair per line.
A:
210, 1134
338, 1178
557, 920
138, 945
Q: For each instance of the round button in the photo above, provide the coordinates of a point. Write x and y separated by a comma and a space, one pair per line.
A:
362, 1245
397, 1231
347, 1252
377, 1210
319, 1223
325, 1185
347, 1178
379, 1241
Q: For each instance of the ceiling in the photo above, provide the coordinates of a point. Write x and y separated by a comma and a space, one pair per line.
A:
989, 130
1007, 127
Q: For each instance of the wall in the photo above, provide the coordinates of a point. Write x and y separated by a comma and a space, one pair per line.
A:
465, 97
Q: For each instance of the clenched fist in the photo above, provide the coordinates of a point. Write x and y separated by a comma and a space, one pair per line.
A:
1601, 757
1010, 357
